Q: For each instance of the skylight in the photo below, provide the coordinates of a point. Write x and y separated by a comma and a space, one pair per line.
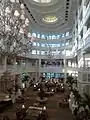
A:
50, 19
43, 1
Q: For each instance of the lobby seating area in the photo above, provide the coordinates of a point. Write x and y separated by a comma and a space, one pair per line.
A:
28, 107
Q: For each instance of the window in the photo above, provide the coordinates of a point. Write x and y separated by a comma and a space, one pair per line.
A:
53, 37
34, 35
63, 52
43, 36
53, 45
34, 44
69, 63
58, 36
42, 52
42, 45
58, 45
38, 52
37, 44
34, 52
67, 43
38, 35
68, 52
50, 37
88, 77
62, 44
62, 35
67, 34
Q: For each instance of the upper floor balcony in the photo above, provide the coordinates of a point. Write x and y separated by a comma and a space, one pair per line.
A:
51, 37
17, 69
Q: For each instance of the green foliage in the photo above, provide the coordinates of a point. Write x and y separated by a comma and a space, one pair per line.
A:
25, 78
70, 79
86, 100
78, 97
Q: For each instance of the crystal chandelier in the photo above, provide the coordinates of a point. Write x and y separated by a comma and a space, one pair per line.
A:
14, 35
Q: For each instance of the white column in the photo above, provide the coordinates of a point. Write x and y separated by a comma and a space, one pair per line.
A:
65, 71
36, 70
15, 69
5, 63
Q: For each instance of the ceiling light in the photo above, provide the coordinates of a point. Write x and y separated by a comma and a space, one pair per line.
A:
66, 19
50, 19
67, 7
66, 16
66, 11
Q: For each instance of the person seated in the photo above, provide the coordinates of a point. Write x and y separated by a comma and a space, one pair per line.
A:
48, 89
5, 118
43, 115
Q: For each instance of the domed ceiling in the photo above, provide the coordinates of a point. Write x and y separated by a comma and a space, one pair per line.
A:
50, 15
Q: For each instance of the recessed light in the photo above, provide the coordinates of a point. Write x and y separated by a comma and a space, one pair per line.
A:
66, 19
66, 14
25, 5
67, 3
67, 7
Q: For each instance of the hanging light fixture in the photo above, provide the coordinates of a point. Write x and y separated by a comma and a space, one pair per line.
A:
14, 36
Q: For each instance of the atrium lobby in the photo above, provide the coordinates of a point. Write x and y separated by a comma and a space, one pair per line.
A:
44, 60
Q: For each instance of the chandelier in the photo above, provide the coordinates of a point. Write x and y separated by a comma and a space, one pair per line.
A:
14, 27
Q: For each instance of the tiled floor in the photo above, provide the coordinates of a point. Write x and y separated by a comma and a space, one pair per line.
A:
54, 111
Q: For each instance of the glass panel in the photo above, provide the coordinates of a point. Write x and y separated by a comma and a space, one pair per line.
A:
33, 51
